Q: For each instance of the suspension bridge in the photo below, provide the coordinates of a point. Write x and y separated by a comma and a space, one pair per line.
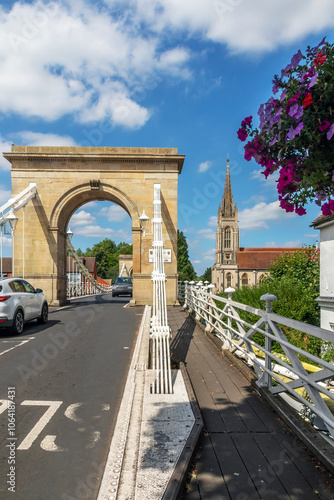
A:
159, 411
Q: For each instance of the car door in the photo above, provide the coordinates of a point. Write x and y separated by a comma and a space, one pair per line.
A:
33, 299
21, 297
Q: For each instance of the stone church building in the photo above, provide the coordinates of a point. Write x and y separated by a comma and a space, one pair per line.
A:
234, 265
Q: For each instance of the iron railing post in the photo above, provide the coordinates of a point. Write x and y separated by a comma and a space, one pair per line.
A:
265, 379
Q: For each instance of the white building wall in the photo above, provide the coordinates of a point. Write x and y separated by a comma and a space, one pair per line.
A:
326, 299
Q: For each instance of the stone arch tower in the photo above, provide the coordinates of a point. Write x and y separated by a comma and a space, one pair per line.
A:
69, 177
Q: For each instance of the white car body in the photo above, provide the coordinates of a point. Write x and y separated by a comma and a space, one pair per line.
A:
20, 302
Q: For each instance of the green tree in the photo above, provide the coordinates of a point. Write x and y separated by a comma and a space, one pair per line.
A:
207, 276
294, 280
185, 268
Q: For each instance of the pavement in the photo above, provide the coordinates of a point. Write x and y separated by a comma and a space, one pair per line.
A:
216, 437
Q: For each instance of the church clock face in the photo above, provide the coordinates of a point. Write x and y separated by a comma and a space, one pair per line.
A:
227, 256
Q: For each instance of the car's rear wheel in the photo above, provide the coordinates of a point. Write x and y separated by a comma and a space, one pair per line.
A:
18, 323
44, 315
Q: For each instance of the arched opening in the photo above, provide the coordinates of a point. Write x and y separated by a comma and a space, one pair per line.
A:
100, 233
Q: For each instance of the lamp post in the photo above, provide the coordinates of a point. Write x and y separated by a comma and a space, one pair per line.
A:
143, 219
12, 220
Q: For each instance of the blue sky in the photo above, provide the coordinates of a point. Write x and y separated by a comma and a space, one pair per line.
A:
157, 73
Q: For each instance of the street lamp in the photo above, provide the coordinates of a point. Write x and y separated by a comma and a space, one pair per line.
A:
12, 220
143, 219
69, 235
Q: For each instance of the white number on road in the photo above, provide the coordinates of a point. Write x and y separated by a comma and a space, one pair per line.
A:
42, 422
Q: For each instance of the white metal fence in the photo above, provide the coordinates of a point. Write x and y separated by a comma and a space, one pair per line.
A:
79, 281
311, 388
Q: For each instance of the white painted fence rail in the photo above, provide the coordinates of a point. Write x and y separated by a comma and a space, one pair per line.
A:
222, 318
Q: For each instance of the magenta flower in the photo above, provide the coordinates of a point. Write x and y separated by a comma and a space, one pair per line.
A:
247, 121
328, 209
242, 134
300, 211
325, 124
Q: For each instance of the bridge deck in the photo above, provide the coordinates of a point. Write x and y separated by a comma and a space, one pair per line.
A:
245, 451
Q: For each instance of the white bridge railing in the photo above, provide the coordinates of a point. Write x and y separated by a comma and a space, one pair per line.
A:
280, 374
80, 282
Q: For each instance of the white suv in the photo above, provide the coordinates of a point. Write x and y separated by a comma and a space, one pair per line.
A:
20, 302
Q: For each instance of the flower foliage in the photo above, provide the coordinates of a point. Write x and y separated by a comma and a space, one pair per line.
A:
295, 134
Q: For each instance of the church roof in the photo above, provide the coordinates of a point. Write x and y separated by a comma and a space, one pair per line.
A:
260, 258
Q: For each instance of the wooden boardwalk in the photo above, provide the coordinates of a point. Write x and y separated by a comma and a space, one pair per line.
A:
245, 451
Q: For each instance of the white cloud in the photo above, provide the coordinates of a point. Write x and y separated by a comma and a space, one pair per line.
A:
40, 139
114, 213
5, 147
93, 231
213, 221
315, 235
89, 61
193, 243
208, 234
245, 27
109, 58
7, 241
269, 182
209, 254
81, 218
204, 166
5, 195
196, 261
261, 215
287, 244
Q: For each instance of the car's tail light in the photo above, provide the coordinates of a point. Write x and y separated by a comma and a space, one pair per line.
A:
3, 298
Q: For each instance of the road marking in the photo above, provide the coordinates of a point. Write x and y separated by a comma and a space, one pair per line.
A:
126, 348
48, 444
105, 407
15, 346
70, 412
4, 405
42, 422
96, 436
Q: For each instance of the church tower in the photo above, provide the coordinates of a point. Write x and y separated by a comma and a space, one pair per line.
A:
227, 237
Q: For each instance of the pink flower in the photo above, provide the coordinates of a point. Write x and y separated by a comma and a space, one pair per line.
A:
325, 124
300, 211
242, 134
288, 207
247, 121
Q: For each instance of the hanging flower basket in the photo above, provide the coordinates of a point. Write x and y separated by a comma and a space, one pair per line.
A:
296, 131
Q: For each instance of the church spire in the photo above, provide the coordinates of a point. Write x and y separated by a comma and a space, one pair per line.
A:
227, 201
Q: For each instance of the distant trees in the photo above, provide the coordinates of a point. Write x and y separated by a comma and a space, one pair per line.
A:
207, 276
185, 268
106, 253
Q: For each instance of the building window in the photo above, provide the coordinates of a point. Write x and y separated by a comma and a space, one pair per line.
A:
260, 278
244, 279
227, 256
227, 238
228, 280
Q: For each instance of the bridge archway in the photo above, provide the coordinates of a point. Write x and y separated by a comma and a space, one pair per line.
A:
66, 179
